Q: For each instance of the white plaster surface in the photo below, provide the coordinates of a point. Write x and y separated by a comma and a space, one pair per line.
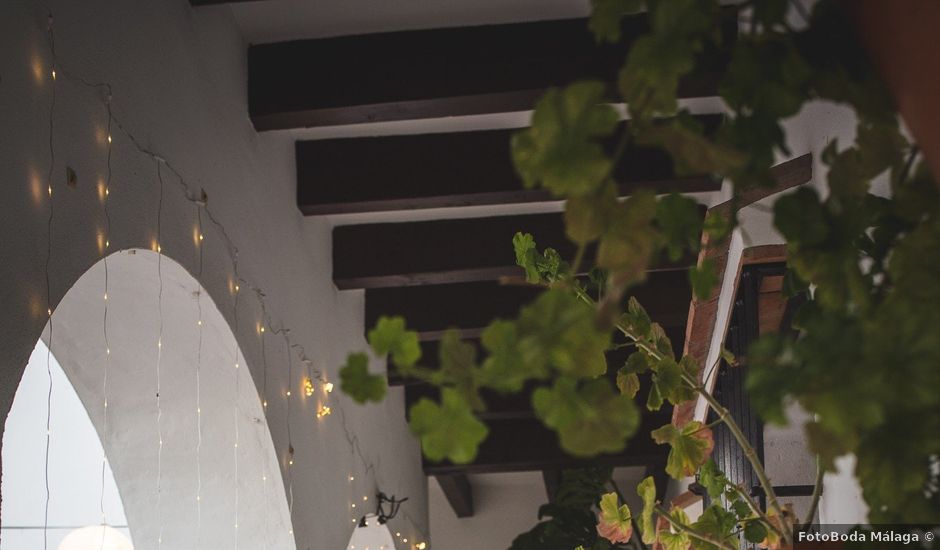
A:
178, 81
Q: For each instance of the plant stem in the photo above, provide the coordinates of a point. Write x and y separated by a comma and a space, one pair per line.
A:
694, 533
749, 451
817, 492
724, 415
756, 509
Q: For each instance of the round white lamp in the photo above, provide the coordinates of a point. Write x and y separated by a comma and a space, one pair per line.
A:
96, 537
371, 535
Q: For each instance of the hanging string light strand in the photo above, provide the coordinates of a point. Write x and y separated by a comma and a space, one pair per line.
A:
198, 197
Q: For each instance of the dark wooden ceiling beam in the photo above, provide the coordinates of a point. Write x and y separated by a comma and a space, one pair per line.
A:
459, 493
432, 309
447, 251
496, 402
437, 72
525, 445
406, 172
216, 2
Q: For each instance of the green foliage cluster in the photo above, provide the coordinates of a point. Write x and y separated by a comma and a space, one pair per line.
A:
865, 363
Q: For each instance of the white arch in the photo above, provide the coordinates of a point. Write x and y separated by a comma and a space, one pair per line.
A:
131, 441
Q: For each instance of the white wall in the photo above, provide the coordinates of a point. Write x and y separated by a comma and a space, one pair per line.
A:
178, 81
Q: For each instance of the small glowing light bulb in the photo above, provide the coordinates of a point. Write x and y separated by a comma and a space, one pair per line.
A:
50, 190
351, 478
109, 138
398, 534
354, 505
421, 546
108, 351
236, 288
198, 497
106, 296
265, 404
328, 387
290, 462
199, 322
288, 393
53, 74
201, 236
159, 249
365, 499
264, 478
324, 411
404, 540
107, 244
308, 387
106, 190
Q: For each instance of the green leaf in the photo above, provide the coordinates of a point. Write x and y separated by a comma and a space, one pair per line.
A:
606, 16
638, 363
526, 254
719, 524
800, 217
561, 150
449, 430
671, 538
691, 446
357, 382
587, 217
755, 531
627, 382
628, 245
647, 492
668, 383
505, 369
590, 419
636, 320
390, 337
615, 522
712, 479
459, 367
558, 330
696, 153
704, 279
680, 221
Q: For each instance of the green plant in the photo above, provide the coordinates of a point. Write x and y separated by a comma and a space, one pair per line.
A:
866, 361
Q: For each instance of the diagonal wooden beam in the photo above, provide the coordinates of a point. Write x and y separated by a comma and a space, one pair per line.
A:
407, 172
459, 493
446, 251
437, 72
703, 314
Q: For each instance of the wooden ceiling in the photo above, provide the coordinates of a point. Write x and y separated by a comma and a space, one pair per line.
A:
451, 273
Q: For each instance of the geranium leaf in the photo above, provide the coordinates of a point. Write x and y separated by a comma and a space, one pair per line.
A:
357, 382
390, 337
691, 445
447, 430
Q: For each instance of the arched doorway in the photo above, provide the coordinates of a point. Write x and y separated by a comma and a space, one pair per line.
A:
194, 469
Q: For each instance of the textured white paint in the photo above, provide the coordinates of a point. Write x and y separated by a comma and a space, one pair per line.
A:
178, 80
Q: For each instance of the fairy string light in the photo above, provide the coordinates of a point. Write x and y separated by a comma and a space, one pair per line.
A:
104, 321
199, 246
159, 250
198, 197
290, 440
51, 39
235, 400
